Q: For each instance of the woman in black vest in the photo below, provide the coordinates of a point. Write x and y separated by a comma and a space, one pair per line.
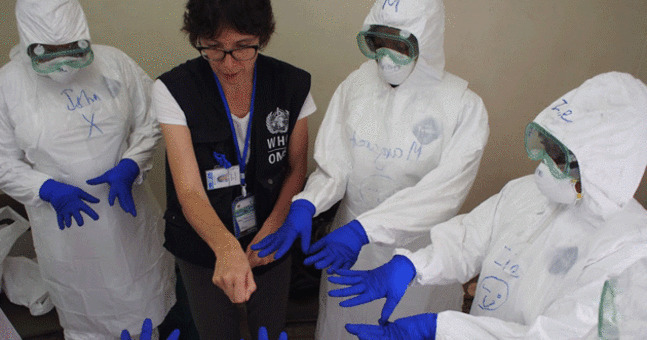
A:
236, 134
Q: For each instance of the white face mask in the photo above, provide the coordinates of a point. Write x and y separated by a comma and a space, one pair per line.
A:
393, 73
64, 76
557, 190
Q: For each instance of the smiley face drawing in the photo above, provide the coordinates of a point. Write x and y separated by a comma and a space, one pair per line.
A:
494, 292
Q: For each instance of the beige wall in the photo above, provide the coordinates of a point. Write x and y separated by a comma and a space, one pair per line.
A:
518, 55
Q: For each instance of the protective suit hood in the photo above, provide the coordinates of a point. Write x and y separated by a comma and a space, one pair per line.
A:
426, 20
603, 123
52, 22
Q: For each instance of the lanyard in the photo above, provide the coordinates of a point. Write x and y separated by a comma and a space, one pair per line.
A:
241, 159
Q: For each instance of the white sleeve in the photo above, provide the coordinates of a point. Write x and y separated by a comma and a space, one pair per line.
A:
327, 184
573, 315
17, 178
308, 107
457, 247
164, 107
144, 132
440, 193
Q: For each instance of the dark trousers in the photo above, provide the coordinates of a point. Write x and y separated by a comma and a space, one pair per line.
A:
216, 317
179, 317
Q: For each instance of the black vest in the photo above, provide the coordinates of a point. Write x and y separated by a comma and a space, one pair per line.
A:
281, 90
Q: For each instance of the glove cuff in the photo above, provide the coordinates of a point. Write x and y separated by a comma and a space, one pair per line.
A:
130, 167
304, 205
404, 262
46, 189
431, 320
358, 231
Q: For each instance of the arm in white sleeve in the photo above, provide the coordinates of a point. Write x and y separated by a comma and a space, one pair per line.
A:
327, 184
440, 193
145, 132
17, 178
457, 247
572, 315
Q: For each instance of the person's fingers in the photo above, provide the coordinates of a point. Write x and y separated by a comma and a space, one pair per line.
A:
350, 272
61, 221
365, 331
262, 333
147, 329
271, 247
348, 291
262, 243
112, 195
89, 211
238, 292
255, 261
314, 258
358, 300
268, 245
285, 246
98, 180
346, 265
346, 279
175, 335
283, 336
226, 285
325, 263
125, 335
87, 197
317, 246
335, 265
387, 310
127, 204
78, 217
266, 260
251, 285
68, 219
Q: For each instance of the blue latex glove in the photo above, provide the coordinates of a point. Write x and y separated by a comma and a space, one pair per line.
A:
389, 280
67, 201
147, 331
297, 223
421, 326
262, 335
120, 178
339, 249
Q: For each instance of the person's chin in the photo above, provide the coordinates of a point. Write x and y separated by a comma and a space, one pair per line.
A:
231, 78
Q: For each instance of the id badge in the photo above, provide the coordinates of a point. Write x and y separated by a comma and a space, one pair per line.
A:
223, 177
244, 216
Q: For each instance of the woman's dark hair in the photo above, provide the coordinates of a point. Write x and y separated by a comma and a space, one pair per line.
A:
207, 18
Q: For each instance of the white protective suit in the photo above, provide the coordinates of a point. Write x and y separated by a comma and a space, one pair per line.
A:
622, 305
542, 265
109, 274
400, 160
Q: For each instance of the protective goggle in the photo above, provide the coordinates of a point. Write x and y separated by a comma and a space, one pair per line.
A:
377, 41
50, 58
542, 146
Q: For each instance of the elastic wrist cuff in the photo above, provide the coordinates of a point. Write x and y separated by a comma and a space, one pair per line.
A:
304, 204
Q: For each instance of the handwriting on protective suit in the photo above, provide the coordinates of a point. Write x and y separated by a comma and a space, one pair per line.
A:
412, 154
80, 100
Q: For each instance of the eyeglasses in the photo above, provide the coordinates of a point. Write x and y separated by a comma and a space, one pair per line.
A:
213, 53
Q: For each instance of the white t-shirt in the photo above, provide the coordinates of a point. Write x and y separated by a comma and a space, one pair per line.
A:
166, 110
